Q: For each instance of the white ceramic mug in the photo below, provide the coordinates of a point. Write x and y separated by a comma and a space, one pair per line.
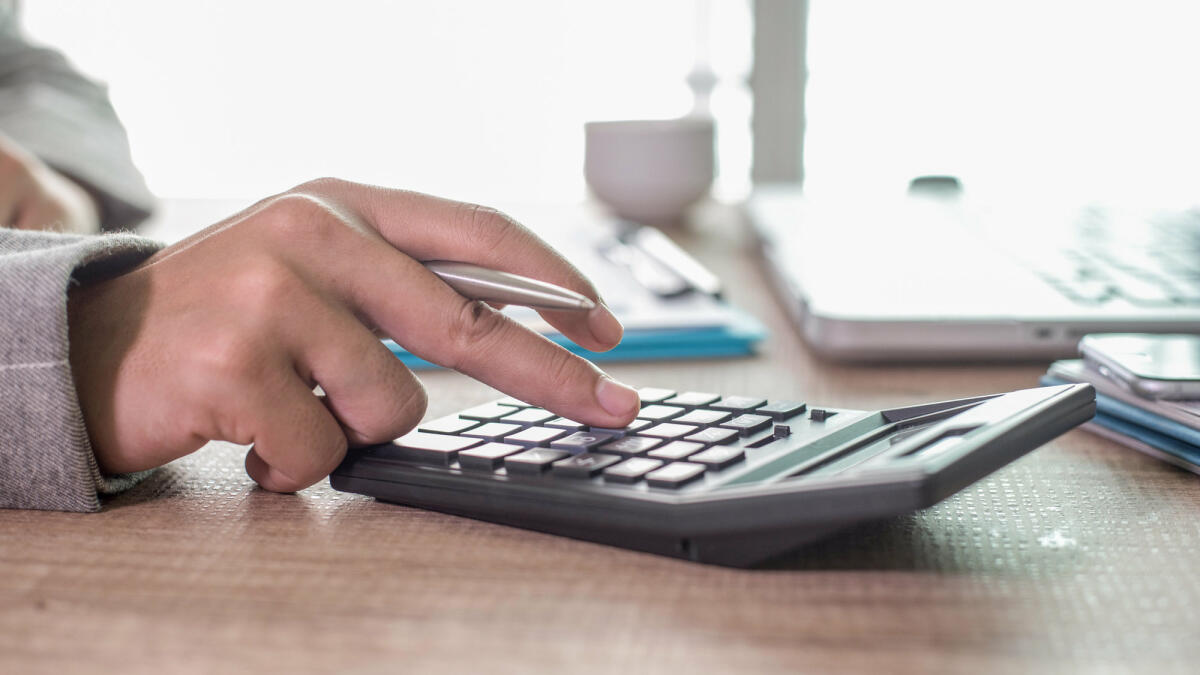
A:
650, 171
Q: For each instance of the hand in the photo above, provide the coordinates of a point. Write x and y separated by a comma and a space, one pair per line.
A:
224, 335
34, 196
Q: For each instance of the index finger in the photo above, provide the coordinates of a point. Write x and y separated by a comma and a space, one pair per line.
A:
432, 228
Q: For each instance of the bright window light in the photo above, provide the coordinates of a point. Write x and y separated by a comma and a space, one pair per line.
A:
476, 100
1089, 98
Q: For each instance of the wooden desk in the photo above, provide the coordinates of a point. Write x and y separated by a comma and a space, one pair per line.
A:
1080, 557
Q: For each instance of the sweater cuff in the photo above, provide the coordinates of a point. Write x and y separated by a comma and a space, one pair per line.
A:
46, 459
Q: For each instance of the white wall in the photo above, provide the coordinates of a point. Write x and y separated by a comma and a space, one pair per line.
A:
473, 99
1095, 97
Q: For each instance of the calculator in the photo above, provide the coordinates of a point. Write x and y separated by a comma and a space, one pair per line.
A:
729, 480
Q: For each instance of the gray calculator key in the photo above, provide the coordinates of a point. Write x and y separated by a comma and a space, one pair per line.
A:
631, 470
564, 423
677, 450
820, 414
419, 446
675, 474
703, 417
529, 416
447, 425
692, 399
738, 403
535, 436
630, 445
719, 457
669, 430
487, 457
660, 413
713, 436
782, 410
748, 424
582, 441
654, 395
492, 430
488, 412
583, 465
532, 461
636, 425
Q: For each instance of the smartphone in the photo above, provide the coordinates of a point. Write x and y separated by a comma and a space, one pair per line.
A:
1151, 366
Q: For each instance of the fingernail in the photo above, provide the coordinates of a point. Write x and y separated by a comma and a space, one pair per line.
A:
617, 399
604, 326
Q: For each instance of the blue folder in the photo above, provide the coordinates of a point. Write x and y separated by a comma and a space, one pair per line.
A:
1165, 434
738, 337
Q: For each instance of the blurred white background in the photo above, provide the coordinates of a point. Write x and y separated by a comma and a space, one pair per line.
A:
1080, 99
471, 99
486, 100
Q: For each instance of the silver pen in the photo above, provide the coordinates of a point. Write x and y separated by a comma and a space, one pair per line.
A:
481, 283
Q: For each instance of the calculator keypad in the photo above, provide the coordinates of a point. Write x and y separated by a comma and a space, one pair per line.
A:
677, 439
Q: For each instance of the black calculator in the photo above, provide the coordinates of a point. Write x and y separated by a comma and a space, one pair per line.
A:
730, 480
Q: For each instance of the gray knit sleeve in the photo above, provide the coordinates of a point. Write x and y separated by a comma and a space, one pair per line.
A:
46, 460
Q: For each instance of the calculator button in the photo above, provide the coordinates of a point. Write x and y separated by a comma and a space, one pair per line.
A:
508, 400
447, 425
564, 423
660, 413
675, 474
714, 436
738, 403
781, 410
748, 424
535, 436
692, 399
492, 430
653, 395
820, 414
529, 416
719, 457
635, 425
582, 441
488, 412
419, 446
583, 465
487, 457
532, 461
677, 449
703, 417
631, 470
669, 430
630, 445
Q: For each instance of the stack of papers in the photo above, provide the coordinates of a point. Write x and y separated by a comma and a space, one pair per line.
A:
685, 325
1168, 430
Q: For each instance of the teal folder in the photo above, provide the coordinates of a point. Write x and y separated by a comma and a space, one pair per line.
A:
738, 337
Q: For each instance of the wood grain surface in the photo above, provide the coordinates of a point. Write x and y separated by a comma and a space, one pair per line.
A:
1081, 557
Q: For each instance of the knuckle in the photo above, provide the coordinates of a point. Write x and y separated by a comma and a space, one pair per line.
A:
562, 371
298, 215
321, 185
412, 408
471, 325
264, 288
487, 227
226, 359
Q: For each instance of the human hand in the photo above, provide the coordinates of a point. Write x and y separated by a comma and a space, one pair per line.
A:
34, 196
224, 335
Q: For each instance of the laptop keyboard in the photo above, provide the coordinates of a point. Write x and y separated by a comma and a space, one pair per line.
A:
677, 439
1159, 269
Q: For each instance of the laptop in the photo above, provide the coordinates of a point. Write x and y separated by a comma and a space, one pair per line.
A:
930, 275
